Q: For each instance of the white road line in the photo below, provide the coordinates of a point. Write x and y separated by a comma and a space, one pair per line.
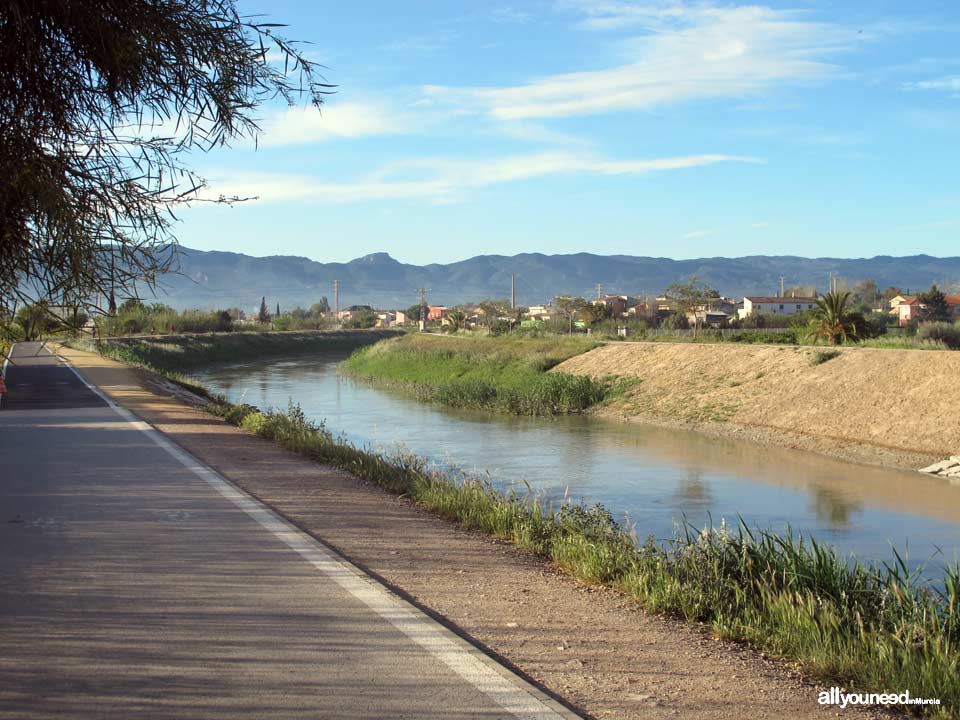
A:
510, 692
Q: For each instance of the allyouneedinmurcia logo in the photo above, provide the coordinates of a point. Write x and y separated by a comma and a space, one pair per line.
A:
835, 696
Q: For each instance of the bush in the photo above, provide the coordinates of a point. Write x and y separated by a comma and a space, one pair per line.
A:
943, 332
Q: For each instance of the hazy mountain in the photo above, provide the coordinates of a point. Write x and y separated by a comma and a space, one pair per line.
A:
222, 279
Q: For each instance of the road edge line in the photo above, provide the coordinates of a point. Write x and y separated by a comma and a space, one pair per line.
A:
508, 690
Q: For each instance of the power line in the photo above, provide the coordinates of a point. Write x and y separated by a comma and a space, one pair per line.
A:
336, 301
423, 308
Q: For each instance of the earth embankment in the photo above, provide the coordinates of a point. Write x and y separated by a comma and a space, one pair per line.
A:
890, 407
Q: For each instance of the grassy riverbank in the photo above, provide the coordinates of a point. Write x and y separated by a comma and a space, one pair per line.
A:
180, 353
868, 628
507, 375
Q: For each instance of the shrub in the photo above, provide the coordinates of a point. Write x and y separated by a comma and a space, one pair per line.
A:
822, 356
943, 332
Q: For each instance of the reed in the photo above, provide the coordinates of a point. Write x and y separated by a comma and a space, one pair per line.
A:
506, 375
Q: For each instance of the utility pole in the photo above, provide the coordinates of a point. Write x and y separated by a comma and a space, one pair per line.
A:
599, 290
513, 291
782, 294
423, 308
336, 302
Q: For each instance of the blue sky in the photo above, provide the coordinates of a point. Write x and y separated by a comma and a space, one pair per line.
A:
650, 128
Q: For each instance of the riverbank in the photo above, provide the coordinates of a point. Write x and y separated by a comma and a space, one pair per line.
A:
179, 353
503, 374
792, 600
885, 407
173, 356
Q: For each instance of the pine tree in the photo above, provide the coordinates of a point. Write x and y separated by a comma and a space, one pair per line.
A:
264, 315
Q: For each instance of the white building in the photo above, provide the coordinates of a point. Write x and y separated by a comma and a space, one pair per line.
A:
775, 306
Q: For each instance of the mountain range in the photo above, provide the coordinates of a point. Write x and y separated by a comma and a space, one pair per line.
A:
215, 279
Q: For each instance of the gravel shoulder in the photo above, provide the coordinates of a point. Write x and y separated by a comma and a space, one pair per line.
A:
877, 406
592, 648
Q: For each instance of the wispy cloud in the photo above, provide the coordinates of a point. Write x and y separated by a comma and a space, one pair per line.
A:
301, 125
683, 53
510, 16
443, 179
950, 84
694, 235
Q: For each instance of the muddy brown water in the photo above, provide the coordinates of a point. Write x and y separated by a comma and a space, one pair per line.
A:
653, 478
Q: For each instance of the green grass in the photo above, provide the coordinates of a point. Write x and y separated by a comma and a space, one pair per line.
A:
822, 356
180, 353
873, 628
900, 342
503, 374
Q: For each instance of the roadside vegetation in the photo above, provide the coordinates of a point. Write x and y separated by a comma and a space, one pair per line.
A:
873, 628
503, 374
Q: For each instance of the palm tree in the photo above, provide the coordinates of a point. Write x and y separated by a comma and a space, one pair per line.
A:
457, 320
832, 319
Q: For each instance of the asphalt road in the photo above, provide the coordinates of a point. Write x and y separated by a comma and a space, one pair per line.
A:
135, 582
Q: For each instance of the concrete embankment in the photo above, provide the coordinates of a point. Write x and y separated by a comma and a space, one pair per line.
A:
888, 407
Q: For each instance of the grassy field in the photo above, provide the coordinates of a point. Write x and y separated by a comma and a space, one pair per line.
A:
504, 374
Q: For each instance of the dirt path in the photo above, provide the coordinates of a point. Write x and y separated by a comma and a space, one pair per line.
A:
591, 648
886, 407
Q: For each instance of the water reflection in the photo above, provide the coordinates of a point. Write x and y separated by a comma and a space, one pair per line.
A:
658, 476
831, 507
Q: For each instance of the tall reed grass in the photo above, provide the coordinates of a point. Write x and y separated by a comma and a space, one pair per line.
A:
506, 375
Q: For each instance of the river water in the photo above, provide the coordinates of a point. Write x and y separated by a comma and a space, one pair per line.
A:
651, 477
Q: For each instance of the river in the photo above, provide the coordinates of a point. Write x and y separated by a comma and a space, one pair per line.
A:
650, 477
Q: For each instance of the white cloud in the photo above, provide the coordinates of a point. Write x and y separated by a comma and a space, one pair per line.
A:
684, 53
442, 180
696, 234
510, 16
302, 125
951, 84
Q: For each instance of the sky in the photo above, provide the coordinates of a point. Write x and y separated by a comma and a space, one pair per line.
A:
665, 129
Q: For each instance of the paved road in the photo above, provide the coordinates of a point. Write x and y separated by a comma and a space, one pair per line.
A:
136, 583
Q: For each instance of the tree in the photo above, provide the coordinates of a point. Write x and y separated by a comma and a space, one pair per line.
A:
865, 296
413, 312
934, 303
361, 319
456, 320
320, 308
890, 293
570, 307
692, 297
100, 104
263, 316
833, 319
36, 320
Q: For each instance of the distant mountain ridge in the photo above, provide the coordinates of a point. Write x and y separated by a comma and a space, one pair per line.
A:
227, 279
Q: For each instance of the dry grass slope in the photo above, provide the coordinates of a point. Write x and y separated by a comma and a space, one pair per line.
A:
907, 401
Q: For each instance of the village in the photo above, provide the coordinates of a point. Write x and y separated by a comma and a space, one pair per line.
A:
683, 311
